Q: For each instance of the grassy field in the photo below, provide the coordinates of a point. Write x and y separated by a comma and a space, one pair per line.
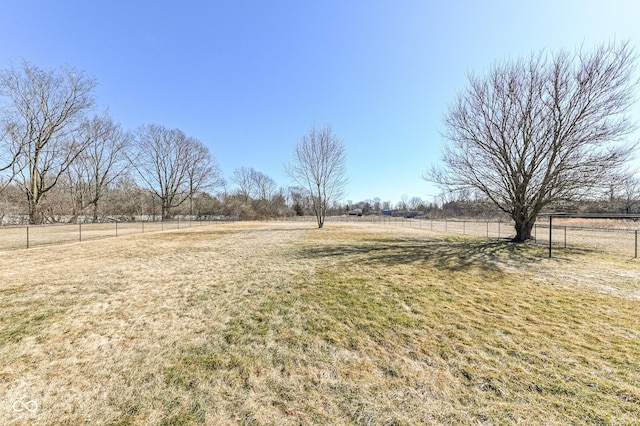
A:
283, 324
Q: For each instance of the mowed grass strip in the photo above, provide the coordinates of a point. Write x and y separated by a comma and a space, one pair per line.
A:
286, 324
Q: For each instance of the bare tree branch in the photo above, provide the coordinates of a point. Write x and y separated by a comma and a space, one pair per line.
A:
540, 130
319, 167
172, 165
45, 108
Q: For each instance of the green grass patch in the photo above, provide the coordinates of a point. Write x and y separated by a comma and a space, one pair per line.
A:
284, 325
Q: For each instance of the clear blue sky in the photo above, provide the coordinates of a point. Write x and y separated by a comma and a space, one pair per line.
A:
248, 78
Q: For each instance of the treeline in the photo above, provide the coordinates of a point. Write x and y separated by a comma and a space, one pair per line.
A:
60, 161
56, 158
126, 200
621, 198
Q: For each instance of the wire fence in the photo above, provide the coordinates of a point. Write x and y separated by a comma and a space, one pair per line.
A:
619, 237
20, 237
614, 237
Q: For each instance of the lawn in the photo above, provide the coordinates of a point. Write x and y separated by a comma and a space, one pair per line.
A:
250, 323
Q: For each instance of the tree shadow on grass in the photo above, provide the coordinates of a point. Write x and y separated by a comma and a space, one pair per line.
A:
447, 255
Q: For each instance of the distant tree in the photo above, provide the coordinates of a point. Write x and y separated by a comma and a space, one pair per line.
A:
416, 203
402, 204
319, 166
541, 129
278, 204
297, 207
256, 190
243, 177
12, 205
172, 165
204, 204
376, 204
264, 187
625, 193
299, 200
43, 112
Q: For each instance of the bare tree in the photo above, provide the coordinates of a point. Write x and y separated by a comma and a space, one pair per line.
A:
256, 190
624, 193
243, 177
102, 162
416, 203
44, 110
538, 130
172, 165
299, 200
319, 166
204, 173
264, 187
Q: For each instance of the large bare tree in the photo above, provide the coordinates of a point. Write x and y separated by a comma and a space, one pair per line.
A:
172, 165
44, 109
319, 166
102, 162
542, 129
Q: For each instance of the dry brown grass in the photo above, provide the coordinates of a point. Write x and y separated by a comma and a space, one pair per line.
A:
19, 237
286, 324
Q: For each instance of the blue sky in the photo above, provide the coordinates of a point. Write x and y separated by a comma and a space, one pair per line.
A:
248, 78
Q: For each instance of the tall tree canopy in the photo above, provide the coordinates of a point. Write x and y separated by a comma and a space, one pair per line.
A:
541, 129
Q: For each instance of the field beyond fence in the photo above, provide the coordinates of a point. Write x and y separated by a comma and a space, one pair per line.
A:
20, 237
619, 237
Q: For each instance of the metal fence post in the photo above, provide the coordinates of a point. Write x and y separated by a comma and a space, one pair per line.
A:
565, 237
80, 232
636, 244
27, 236
550, 233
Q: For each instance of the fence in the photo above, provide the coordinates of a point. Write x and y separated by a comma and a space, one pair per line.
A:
620, 237
17, 237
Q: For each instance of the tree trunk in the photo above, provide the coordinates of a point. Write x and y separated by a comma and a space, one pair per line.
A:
319, 218
36, 216
523, 230
166, 211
